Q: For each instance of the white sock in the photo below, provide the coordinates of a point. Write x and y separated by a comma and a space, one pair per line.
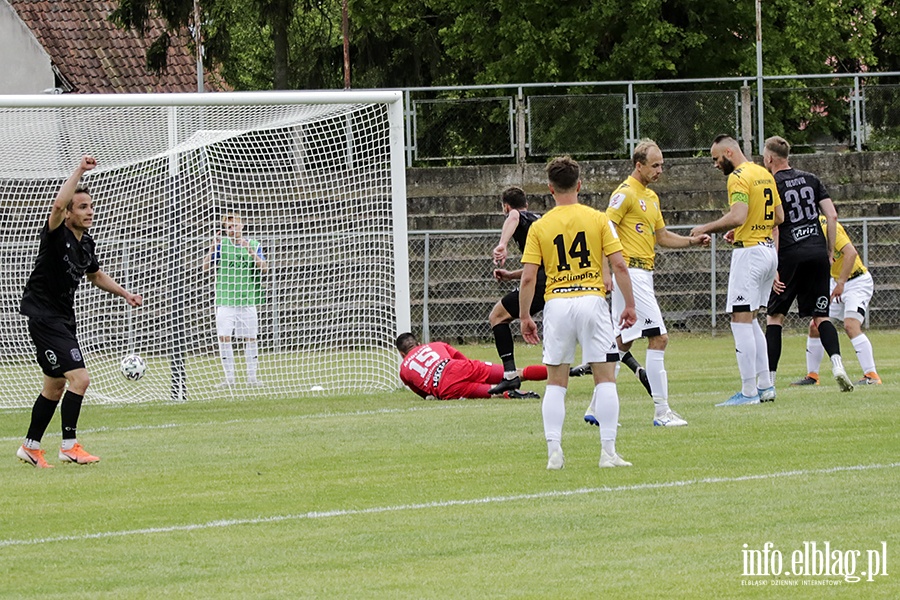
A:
510, 374
226, 350
553, 409
836, 363
32, 444
864, 353
656, 373
606, 404
69, 444
252, 356
815, 352
764, 377
745, 350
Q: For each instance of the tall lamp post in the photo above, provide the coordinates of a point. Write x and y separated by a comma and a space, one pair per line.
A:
760, 134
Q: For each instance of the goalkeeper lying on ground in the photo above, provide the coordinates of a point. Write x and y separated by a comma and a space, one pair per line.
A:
440, 371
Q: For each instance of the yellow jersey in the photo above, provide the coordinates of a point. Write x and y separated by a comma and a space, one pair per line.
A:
634, 209
570, 241
754, 185
840, 241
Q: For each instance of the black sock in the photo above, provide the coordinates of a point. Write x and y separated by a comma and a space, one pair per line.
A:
631, 362
41, 414
503, 339
773, 344
830, 339
69, 411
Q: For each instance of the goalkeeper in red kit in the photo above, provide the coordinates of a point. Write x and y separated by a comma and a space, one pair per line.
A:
440, 371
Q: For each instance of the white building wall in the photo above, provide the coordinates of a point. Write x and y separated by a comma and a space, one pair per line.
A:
24, 64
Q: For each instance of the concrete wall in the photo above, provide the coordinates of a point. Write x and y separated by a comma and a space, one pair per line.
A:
691, 189
25, 67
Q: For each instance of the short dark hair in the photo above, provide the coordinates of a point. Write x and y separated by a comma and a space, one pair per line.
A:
722, 137
81, 188
515, 197
563, 172
778, 146
406, 342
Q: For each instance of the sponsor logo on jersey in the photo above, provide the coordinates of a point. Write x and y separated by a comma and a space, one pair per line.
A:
616, 200
804, 231
643, 205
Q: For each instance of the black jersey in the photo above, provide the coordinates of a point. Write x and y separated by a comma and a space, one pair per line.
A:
801, 193
526, 218
60, 265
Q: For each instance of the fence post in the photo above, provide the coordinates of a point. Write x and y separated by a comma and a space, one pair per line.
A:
747, 120
858, 114
865, 259
712, 284
426, 256
520, 128
407, 105
632, 118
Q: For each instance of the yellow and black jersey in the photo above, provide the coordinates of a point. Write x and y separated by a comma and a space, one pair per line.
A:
840, 241
754, 185
571, 241
634, 210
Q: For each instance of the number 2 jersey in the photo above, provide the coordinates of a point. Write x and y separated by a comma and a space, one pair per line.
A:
754, 185
801, 193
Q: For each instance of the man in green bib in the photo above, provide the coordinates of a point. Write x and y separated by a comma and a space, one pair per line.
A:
240, 265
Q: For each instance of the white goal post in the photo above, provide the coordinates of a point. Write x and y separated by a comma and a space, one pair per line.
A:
317, 179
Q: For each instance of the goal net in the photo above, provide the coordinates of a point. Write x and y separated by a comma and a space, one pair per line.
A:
318, 183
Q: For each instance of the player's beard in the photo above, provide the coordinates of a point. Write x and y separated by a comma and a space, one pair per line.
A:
727, 167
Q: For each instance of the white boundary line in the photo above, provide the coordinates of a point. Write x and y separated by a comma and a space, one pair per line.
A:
280, 418
439, 504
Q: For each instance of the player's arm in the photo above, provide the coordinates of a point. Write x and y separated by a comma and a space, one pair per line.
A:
67, 192
849, 253
108, 284
509, 227
504, 275
623, 280
455, 354
733, 219
260, 259
669, 239
526, 295
212, 254
826, 206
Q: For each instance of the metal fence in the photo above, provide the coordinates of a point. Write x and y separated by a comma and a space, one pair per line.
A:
452, 288
453, 125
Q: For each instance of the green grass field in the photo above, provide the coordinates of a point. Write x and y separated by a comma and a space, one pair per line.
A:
389, 496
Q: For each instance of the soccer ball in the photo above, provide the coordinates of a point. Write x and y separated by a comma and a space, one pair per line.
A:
133, 367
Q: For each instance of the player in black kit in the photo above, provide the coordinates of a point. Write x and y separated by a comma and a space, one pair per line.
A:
518, 221
803, 258
66, 254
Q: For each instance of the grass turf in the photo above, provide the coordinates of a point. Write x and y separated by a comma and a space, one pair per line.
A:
388, 496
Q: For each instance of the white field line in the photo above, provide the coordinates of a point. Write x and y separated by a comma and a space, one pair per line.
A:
280, 418
352, 512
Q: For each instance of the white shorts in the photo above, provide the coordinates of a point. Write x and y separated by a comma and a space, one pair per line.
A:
581, 320
855, 299
237, 321
649, 318
752, 275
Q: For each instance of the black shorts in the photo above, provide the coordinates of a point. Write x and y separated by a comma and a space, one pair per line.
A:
808, 280
57, 348
511, 301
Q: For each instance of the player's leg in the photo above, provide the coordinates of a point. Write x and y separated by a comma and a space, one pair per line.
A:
69, 411
501, 316
778, 305
647, 310
41, 414
815, 351
249, 327
560, 338
225, 321
857, 294
599, 348
742, 290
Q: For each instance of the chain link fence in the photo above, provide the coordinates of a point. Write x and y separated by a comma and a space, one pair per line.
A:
452, 287
453, 125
